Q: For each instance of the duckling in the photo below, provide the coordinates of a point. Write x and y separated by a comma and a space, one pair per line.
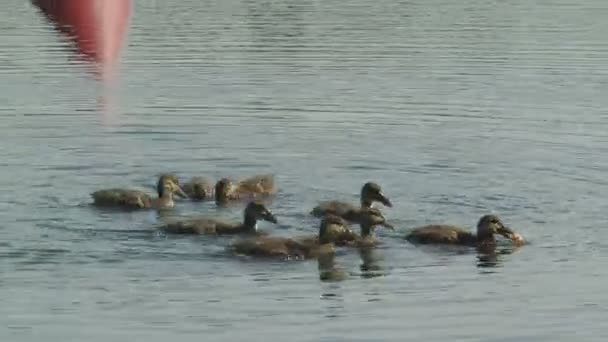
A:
339, 232
487, 227
370, 192
289, 248
333, 231
198, 188
368, 219
258, 184
254, 187
206, 226
134, 199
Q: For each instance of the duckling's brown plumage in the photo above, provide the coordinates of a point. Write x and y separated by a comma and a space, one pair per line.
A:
370, 193
333, 231
336, 230
291, 248
166, 186
339, 232
199, 189
208, 226
487, 227
259, 186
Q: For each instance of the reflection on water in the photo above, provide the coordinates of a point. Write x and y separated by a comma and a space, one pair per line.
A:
491, 258
328, 270
371, 265
97, 31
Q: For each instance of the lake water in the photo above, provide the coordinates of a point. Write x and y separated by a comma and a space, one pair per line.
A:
457, 108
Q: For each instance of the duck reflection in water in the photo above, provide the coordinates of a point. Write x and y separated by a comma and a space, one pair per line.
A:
492, 257
328, 270
371, 266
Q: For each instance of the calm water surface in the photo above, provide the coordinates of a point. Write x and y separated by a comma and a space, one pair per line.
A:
458, 108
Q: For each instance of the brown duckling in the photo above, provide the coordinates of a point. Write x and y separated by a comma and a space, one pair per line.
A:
258, 184
134, 199
487, 227
333, 231
253, 212
368, 219
370, 193
291, 248
339, 232
198, 188
254, 187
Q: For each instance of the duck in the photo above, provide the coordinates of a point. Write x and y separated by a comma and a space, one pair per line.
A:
258, 186
339, 232
487, 227
167, 186
262, 184
333, 231
369, 218
198, 189
253, 212
371, 192
285, 248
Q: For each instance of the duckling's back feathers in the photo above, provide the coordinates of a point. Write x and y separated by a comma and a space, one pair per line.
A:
121, 197
439, 233
199, 188
337, 208
202, 226
263, 247
260, 184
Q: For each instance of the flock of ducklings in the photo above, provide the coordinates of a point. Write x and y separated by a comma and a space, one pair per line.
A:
336, 218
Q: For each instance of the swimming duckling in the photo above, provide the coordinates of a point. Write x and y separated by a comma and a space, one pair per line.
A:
198, 188
134, 199
368, 219
288, 248
207, 226
487, 227
254, 187
258, 184
339, 232
370, 192
333, 231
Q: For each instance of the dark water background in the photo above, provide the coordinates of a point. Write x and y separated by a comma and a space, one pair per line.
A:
457, 108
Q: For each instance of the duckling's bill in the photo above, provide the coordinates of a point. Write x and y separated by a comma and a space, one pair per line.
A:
511, 234
179, 192
384, 200
388, 226
268, 216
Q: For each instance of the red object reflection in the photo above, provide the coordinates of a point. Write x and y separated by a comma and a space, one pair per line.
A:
97, 27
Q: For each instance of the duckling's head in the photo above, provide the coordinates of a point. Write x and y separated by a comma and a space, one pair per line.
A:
258, 211
372, 217
222, 189
168, 183
201, 189
489, 225
372, 192
330, 226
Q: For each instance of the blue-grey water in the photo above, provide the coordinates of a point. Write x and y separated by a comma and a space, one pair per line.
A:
457, 108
